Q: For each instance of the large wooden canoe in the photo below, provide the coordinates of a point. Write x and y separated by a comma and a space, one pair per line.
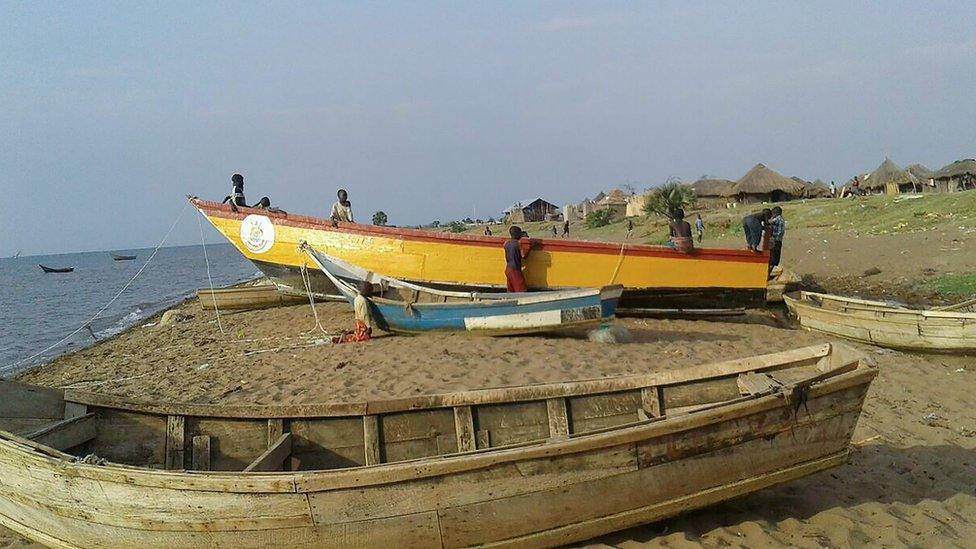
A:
536, 465
247, 297
654, 276
883, 324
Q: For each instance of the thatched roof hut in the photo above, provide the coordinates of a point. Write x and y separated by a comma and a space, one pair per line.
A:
888, 173
713, 188
920, 172
960, 175
761, 184
816, 189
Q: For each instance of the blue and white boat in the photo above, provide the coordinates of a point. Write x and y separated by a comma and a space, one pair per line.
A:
403, 307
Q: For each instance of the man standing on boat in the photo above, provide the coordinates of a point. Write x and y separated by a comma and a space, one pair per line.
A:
342, 209
236, 197
516, 249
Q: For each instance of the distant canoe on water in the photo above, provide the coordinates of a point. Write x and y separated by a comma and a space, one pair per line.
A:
119, 257
533, 465
414, 308
54, 270
949, 329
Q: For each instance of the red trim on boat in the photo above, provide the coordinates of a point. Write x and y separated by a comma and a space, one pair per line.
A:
554, 245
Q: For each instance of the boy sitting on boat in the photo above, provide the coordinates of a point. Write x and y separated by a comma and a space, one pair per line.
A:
680, 231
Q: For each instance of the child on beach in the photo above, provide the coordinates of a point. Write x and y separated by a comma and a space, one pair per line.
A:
699, 227
364, 320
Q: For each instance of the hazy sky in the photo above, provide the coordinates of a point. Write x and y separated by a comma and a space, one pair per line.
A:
111, 112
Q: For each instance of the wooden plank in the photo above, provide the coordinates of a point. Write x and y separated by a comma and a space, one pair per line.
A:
464, 428
175, 442
558, 418
594, 412
328, 443
200, 459
21, 400
276, 428
652, 401
67, 433
371, 440
273, 457
484, 438
73, 409
234, 443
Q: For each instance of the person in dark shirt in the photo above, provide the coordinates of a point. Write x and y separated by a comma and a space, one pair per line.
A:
516, 249
753, 226
487, 230
566, 228
680, 231
236, 197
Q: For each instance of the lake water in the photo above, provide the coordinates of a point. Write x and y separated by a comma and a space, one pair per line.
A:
38, 309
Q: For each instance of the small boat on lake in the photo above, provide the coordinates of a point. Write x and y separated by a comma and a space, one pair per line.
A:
119, 257
886, 325
56, 270
247, 298
404, 307
533, 465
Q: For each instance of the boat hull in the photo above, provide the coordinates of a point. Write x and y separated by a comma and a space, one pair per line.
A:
651, 275
426, 471
246, 298
877, 323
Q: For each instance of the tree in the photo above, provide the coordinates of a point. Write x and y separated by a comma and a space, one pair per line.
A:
598, 218
456, 227
667, 198
379, 218
435, 223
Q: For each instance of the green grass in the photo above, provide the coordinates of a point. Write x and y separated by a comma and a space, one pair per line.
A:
956, 285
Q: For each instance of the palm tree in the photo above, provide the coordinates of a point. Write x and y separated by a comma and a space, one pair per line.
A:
667, 198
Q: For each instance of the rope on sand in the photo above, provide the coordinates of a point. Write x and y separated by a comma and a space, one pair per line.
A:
210, 278
111, 301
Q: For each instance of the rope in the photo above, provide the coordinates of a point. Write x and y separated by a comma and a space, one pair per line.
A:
111, 301
307, 280
620, 262
210, 278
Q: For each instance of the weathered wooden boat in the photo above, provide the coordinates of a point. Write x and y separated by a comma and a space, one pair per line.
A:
536, 465
56, 269
404, 307
883, 324
247, 298
653, 276
119, 257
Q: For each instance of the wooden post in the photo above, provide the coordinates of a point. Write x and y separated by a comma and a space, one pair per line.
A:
371, 439
273, 457
464, 428
200, 458
558, 418
484, 438
175, 441
652, 401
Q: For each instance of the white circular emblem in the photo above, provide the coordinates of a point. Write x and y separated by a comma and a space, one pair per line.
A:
257, 233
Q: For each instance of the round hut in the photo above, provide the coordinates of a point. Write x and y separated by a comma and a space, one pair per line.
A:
888, 178
713, 193
816, 189
958, 176
761, 184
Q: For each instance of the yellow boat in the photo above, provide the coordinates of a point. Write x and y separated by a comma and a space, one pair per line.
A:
652, 275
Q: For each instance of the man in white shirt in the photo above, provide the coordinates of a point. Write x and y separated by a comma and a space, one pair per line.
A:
342, 209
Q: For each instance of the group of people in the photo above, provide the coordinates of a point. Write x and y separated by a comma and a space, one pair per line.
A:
765, 230
341, 210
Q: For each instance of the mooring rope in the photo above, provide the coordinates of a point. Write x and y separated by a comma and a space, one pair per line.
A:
620, 261
111, 301
307, 280
210, 278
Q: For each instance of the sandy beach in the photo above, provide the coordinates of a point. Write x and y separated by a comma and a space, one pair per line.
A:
909, 483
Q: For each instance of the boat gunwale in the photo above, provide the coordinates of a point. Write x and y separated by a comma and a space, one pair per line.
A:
208, 208
494, 395
921, 314
365, 476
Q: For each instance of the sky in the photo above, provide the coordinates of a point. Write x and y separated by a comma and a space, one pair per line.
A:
110, 113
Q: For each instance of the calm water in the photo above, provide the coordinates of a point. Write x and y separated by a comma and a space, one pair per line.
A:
38, 309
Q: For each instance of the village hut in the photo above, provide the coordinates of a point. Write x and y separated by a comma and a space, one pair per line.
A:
816, 189
635, 204
761, 184
923, 175
531, 210
958, 176
713, 193
616, 201
890, 179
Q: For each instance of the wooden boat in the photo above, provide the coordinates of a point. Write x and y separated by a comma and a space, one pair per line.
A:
424, 309
886, 325
56, 270
537, 465
119, 257
653, 276
247, 297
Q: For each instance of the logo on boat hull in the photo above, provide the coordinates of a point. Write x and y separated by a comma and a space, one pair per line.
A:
257, 233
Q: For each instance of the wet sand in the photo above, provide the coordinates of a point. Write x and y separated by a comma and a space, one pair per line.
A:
910, 481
